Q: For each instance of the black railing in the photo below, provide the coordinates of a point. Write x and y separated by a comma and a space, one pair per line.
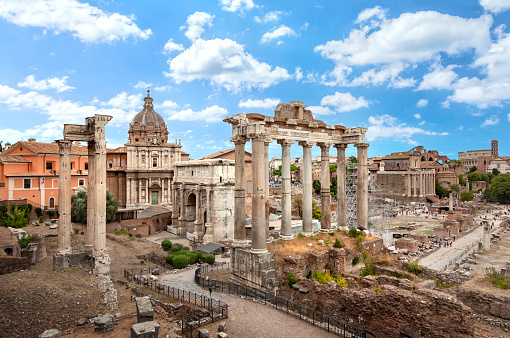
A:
214, 309
313, 317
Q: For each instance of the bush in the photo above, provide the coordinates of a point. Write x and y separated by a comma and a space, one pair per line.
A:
184, 252
180, 262
3, 209
168, 259
24, 241
355, 260
192, 258
338, 244
210, 259
325, 277
498, 279
51, 213
166, 245
29, 207
414, 268
201, 256
291, 279
176, 247
355, 233
38, 212
41, 219
185, 248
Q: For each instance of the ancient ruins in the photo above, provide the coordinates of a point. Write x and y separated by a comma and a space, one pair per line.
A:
291, 123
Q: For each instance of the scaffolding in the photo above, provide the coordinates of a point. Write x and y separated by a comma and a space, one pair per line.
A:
351, 183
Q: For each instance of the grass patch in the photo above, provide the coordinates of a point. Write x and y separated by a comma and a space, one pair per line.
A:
325, 277
415, 268
498, 279
442, 286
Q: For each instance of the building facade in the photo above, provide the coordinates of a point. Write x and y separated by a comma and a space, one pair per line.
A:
479, 158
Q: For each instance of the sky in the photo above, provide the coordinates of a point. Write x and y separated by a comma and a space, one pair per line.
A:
430, 73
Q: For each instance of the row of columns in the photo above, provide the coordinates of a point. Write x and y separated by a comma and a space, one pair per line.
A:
179, 215
260, 196
420, 184
134, 195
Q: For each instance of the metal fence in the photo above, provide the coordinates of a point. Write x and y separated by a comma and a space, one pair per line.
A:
214, 309
303, 313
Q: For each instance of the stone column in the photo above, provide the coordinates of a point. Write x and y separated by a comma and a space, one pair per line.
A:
209, 236
182, 215
408, 182
128, 191
286, 228
307, 187
147, 183
240, 191
175, 214
258, 236
91, 191
267, 141
325, 188
197, 211
100, 201
139, 199
362, 189
341, 188
64, 199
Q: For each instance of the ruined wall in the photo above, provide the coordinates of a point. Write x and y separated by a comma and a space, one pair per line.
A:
10, 264
485, 303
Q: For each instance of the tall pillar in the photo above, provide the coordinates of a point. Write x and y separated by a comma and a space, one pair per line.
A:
325, 188
139, 199
175, 208
208, 236
286, 228
128, 191
267, 141
197, 211
307, 187
258, 242
362, 189
182, 212
64, 199
240, 191
91, 191
147, 182
341, 188
100, 194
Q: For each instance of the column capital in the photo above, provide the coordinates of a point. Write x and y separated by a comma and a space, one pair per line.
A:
64, 146
324, 145
285, 142
361, 145
306, 144
258, 136
341, 146
239, 139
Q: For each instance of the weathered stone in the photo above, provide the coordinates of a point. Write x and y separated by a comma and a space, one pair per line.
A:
222, 335
144, 310
53, 333
204, 333
222, 327
103, 323
82, 321
428, 284
145, 330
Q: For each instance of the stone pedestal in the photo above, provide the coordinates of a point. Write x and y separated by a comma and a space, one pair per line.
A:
68, 260
254, 268
101, 262
145, 330
103, 323
144, 310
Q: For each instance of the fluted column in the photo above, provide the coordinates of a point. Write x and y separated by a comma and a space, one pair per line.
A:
147, 199
209, 235
128, 191
325, 188
197, 211
240, 190
181, 199
286, 220
267, 141
175, 208
258, 244
341, 188
100, 193
307, 187
91, 191
139, 199
64, 199
362, 189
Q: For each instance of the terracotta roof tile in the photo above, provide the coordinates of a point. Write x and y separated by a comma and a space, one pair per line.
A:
13, 158
46, 148
118, 150
221, 153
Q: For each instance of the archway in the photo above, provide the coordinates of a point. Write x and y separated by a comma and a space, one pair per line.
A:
51, 203
154, 193
423, 158
191, 211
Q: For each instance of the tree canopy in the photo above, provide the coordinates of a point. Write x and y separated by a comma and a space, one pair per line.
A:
278, 172
499, 191
440, 191
353, 159
79, 207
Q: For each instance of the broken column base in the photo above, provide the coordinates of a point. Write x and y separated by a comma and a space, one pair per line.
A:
145, 330
252, 268
101, 262
71, 259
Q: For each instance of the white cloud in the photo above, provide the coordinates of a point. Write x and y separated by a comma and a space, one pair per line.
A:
162, 88
51, 83
491, 121
417, 116
344, 102
6, 92
196, 23
171, 46
422, 103
278, 32
378, 77
376, 15
125, 101
209, 114
266, 103
422, 123
439, 78
168, 104
142, 85
270, 16
83, 21
495, 6
400, 82
411, 38
298, 75
224, 63
387, 126
320, 110
237, 5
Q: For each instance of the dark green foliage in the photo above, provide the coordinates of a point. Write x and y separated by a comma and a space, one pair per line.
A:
166, 245
495, 172
25, 241
79, 207
17, 219
316, 185
440, 191
180, 262
184, 252
176, 247
414, 268
368, 270
168, 259
355, 233
51, 213
316, 213
29, 207
353, 159
355, 260
291, 279
499, 190
192, 258
201, 256
462, 181
210, 259
338, 244
38, 212
498, 279
466, 196
3, 209
185, 248
472, 169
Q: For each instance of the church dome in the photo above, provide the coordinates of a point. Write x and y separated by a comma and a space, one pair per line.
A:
148, 127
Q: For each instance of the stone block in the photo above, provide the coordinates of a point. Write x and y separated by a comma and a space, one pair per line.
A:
144, 310
53, 333
103, 323
222, 335
222, 327
203, 333
145, 330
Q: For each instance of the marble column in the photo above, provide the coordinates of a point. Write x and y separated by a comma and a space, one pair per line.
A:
258, 243
100, 201
325, 188
197, 211
175, 208
128, 191
147, 198
139, 199
307, 187
182, 216
286, 220
341, 186
64, 199
209, 236
91, 212
267, 141
362, 188
240, 191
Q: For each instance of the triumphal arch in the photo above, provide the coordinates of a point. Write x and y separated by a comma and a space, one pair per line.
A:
291, 123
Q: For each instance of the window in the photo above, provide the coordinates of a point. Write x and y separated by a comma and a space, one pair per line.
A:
71, 165
87, 166
81, 182
2, 184
155, 162
49, 166
26, 183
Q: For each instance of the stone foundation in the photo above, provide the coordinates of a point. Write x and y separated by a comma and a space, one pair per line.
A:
256, 268
72, 259
109, 292
101, 263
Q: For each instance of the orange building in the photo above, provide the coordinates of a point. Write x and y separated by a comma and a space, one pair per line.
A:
29, 169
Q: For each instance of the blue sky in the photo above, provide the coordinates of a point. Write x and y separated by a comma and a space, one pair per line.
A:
431, 73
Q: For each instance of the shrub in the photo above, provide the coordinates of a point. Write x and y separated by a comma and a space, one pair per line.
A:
119, 232
498, 279
332, 233
51, 213
185, 248
166, 245
300, 235
180, 262
41, 219
355, 233
414, 268
176, 247
38, 212
369, 266
184, 252
325, 277
168, 259
338, 244
24, 241
3, 209
210, 259
442, 286
355, 260
291, 279
29, 206
200, 256
192, 258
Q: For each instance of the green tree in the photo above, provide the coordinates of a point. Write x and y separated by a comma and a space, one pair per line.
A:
495, 172
353, 159
297, 204
292, 167
316, 186
472, 169
462, 181
17, 219
333, 187
466, 196
440, 191
499, 190
79, 207
332, 167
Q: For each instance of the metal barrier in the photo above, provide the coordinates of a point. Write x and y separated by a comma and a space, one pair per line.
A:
303, 313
